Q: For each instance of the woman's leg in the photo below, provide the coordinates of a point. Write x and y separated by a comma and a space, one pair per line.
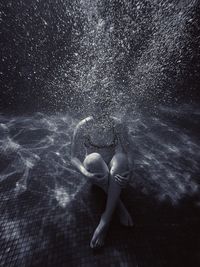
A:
95, 163
119, 167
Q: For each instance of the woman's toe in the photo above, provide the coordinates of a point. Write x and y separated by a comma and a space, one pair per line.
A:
99, 244
96, 243
92, 244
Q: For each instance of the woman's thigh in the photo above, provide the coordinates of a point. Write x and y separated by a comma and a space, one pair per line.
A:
119, 166
94, 163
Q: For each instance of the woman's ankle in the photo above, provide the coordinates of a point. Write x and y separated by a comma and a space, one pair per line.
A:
106, 218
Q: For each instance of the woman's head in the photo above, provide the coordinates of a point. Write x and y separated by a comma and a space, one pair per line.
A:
102, 109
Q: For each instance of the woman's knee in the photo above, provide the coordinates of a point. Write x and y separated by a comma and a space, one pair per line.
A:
119, 164
119, 170
94, 163
92, 160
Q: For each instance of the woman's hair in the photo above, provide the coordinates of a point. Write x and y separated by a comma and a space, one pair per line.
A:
103, 105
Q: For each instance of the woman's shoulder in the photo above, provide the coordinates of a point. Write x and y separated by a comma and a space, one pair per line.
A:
81, 125
85, 120
117, 121
115, 118
120, 125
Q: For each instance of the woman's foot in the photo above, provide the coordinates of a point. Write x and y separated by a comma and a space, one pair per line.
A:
99, 235
124, 216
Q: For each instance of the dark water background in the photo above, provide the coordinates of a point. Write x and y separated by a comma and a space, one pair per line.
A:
61, 55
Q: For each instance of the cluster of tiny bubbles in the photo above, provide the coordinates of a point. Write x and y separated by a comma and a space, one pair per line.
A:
73, 51
130, 50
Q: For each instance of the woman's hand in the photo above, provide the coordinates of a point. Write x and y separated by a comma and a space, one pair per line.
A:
122, 179
98, 178
93, 175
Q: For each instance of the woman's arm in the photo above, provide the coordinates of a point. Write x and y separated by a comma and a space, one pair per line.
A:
125, 142
79, 166
78, 150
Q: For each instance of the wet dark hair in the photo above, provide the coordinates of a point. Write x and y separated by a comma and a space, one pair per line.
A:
104, 104
102, 110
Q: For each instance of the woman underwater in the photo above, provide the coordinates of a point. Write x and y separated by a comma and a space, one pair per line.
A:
101, 142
